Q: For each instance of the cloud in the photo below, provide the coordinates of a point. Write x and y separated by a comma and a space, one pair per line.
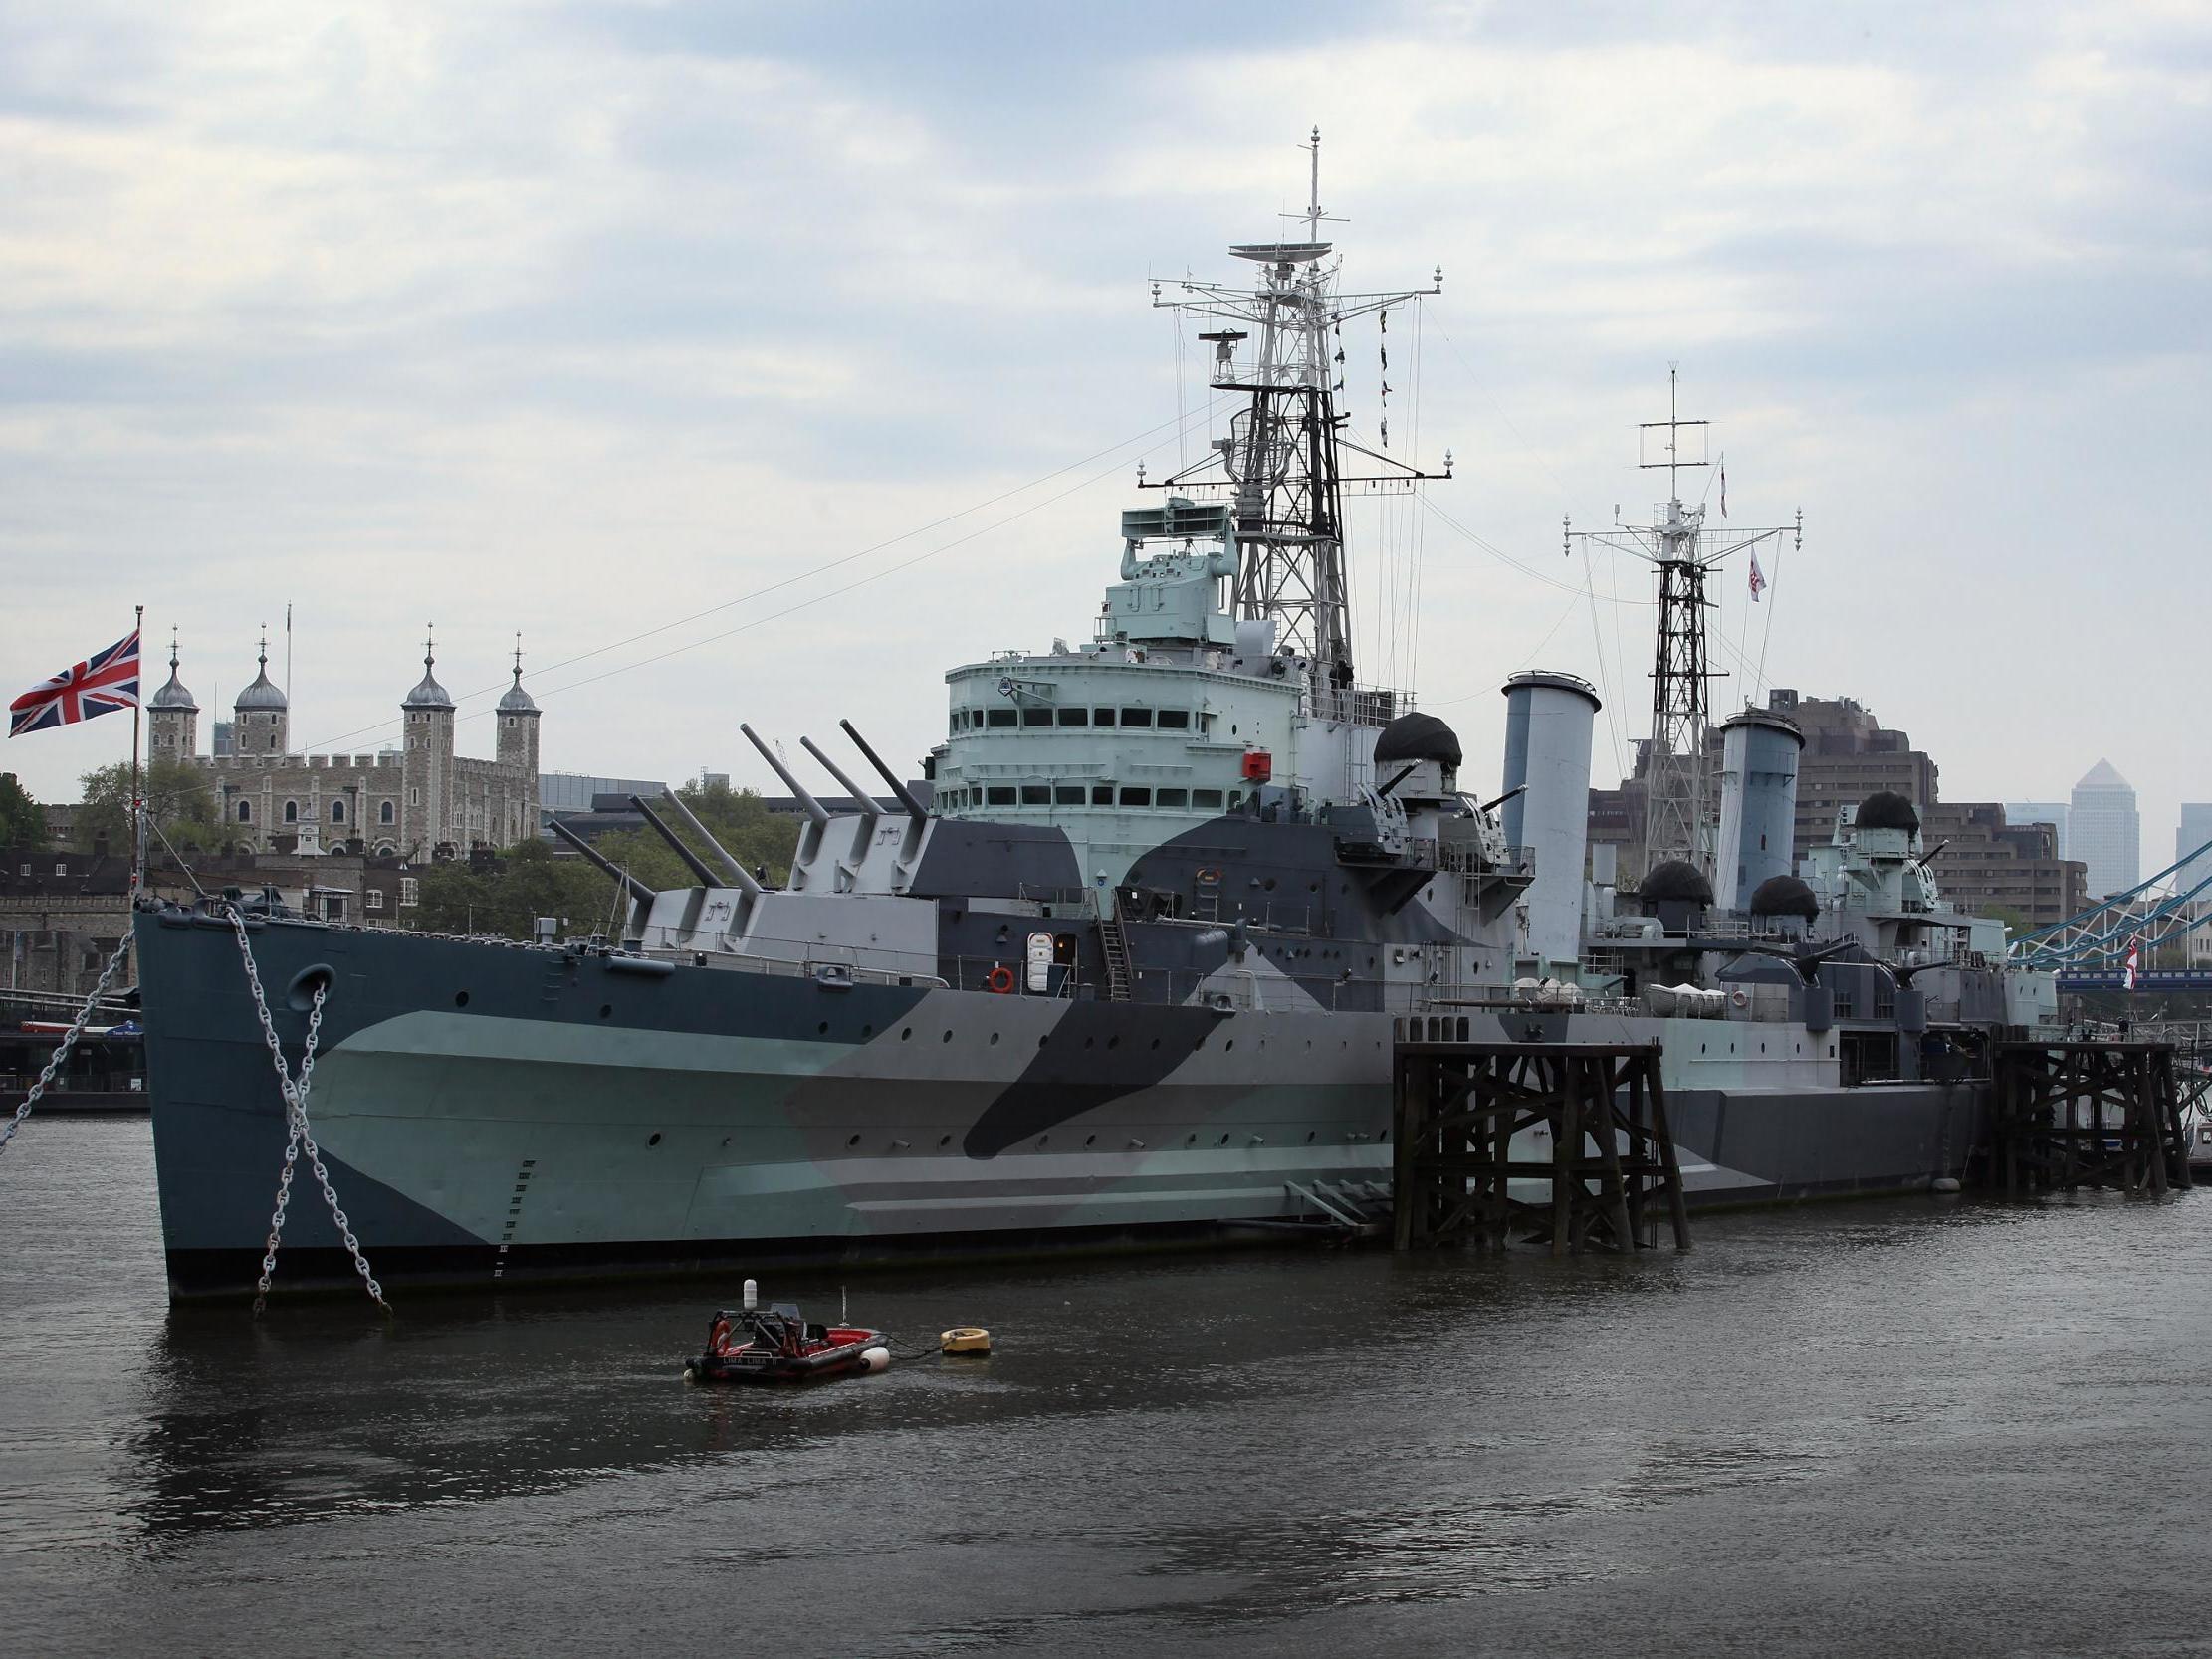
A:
581, 316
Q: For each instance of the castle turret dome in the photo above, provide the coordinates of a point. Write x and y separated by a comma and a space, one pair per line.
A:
173, 695
516, 701
428, 694
263, 695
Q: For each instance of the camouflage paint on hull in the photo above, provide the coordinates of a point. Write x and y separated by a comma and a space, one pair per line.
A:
493, 1113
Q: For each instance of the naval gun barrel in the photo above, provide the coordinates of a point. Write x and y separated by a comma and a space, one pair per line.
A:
812, 807
862, 801
905, 799
1395, 781
740, 877
630, 885
692, 861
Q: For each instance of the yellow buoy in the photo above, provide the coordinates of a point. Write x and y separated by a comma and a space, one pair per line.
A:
964, 1338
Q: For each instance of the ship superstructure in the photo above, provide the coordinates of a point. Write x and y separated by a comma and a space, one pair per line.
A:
1131, 975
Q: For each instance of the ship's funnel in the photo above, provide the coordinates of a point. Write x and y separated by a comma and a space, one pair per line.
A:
1548, 721
1758, 804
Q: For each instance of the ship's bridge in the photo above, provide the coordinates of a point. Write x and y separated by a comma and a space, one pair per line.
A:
1108, 728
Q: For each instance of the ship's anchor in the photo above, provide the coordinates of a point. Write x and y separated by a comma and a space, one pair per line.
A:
296, 1117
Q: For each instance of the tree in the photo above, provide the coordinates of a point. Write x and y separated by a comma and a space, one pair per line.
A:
738, 819
178, 797
523, 884
530, 879
22, 823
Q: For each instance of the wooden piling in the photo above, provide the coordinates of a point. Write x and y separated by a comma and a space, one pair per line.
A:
1458, 1107
2068, 1115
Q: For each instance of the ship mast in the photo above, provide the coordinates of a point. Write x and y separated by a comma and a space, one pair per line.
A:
1281, 464
1678, 809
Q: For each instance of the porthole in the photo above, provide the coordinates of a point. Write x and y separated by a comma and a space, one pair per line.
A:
1091, 1139
948, 1037
1042, 1140
1113, 1042
905, 1033
994, 1039
1232, 1043
726, 1141
1385, 1136
460, 999
606, 1010
1155, 1042
822, 1029
944, 1140
867, 1031
1225, 1140
1309, 1136
854, 1141
1190, 1141
1090, 1042
654, 1139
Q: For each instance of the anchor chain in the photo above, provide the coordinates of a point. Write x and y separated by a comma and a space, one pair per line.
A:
296, 1117
62, 1048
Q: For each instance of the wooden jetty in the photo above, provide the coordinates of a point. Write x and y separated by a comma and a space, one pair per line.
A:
2069, 1115
1458, 1107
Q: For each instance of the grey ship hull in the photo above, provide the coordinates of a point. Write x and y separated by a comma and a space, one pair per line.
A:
491, 1113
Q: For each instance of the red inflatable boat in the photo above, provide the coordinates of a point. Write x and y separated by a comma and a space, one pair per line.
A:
777, 1344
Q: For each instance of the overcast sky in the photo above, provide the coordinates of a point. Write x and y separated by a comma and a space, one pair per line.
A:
584, 319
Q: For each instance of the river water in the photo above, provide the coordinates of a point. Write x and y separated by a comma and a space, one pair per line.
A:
1927, 1426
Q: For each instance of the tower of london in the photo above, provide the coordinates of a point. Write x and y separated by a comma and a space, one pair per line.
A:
417, 800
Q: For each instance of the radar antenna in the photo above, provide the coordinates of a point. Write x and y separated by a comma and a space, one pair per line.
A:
1679, 814
1283, 460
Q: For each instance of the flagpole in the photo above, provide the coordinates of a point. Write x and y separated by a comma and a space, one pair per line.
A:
138, 804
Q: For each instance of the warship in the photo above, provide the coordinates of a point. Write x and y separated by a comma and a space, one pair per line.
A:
1131, 975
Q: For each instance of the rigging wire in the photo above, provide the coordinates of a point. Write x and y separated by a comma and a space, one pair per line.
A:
1597, 641
1766, 633
1498, 410
829, 565
1506, 558
875, 576
1420, 524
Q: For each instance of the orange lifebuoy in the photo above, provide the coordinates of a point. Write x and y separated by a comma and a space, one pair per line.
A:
999, 979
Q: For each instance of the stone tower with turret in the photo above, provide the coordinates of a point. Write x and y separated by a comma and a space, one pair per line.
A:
262, 715
427, 763
517, 749
518, 724
172, 717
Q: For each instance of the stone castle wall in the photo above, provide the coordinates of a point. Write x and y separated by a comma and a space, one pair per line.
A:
408, 801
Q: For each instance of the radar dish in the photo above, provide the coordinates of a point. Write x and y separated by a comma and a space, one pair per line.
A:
1280, 253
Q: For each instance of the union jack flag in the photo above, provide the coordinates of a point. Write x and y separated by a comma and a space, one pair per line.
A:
105, 681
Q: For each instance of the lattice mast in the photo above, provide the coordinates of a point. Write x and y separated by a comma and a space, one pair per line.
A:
1281, 463
1681, 816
